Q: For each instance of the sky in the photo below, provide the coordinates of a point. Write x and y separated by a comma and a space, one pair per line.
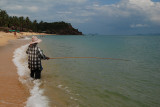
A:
110, 17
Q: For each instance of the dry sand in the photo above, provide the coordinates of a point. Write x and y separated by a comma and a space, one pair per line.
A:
4, 37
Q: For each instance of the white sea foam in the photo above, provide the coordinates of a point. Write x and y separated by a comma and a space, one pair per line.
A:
27, 38
36, 99
24, 38
66, 89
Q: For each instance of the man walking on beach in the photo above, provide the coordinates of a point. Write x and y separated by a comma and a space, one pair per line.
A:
35, 56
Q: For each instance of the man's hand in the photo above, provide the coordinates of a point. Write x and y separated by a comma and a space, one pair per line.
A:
47, 58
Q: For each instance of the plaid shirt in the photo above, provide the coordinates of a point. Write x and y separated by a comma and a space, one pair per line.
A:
34, 57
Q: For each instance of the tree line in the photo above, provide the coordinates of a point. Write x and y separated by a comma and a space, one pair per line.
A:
24, 24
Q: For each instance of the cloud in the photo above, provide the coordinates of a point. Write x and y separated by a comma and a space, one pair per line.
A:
33, 8
14, 7
125, 15
129, 8
86, 8
76, 1
121, 16
147, 8
139, 25
64, 12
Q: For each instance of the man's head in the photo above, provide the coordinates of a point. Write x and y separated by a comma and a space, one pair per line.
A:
35, 40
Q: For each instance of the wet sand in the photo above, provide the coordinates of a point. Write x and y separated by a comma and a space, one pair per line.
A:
12, 92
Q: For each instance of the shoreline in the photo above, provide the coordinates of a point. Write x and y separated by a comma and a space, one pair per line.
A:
5, 37
12, 92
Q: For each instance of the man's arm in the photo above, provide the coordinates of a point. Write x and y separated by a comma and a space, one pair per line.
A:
41, 55
27, 51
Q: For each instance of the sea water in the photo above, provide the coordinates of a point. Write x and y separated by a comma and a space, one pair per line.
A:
132, 81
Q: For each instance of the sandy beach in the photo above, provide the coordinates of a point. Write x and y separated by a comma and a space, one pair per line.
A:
5, 37
12, 92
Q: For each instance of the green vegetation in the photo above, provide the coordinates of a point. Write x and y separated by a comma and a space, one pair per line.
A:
26, 25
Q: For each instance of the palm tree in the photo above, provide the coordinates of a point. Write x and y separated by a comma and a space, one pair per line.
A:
28, 23
3, 18
34, 25
22, 22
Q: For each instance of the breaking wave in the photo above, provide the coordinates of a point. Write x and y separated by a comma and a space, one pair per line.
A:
36, 99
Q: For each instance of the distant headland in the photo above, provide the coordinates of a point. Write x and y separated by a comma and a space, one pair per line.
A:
24, 24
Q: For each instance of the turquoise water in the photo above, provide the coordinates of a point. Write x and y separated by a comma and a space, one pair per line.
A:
102, 82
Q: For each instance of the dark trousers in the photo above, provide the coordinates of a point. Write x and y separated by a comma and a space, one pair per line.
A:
36, 74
